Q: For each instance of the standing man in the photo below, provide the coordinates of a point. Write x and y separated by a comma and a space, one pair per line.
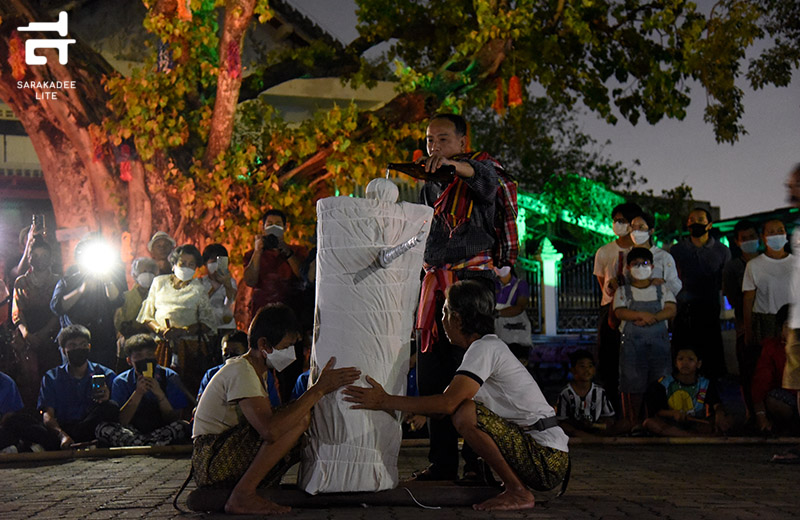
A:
609, 263
273, 272
700, 259
460, 245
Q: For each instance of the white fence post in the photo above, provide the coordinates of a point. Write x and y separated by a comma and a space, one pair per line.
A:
550, 259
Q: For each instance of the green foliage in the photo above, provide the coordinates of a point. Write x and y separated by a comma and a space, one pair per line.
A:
631, 57
780, 20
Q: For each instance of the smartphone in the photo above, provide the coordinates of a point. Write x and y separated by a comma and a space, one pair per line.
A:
148, 370
98, 382
222, 263
38, 223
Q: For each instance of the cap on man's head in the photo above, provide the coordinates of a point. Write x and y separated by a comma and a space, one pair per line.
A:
158, 235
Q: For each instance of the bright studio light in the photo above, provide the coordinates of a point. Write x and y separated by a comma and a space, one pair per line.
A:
98, 258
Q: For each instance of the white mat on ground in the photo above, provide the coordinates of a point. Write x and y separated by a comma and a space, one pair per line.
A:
364, 317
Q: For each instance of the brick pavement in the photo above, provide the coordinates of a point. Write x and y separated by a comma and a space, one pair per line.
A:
725, 482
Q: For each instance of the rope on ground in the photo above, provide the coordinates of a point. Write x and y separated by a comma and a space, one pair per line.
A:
417, 501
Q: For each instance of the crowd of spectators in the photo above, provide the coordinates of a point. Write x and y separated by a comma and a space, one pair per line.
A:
97, 361
93, 360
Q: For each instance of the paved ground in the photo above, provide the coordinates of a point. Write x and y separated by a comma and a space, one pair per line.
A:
726, 482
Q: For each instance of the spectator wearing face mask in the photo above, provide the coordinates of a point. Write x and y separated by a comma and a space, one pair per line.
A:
273, 272
664, 270
143, 271
71, 401
220, 285
644, 309
766, 287
273, 266
177, 309
700, 259
609, 264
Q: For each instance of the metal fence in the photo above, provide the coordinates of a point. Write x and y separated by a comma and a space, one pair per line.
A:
531, 272
579, 295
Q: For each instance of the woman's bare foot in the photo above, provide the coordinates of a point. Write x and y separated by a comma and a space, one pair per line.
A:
507, 501
241, 504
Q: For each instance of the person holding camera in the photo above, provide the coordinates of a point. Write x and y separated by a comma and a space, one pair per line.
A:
152, 401
75, 397
273, 273
90, 293
221, 287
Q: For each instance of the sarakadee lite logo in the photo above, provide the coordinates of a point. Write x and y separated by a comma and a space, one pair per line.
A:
32, 44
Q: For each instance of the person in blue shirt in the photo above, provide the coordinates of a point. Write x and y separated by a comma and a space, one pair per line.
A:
152, 400
234, 344
19, 429
68, 402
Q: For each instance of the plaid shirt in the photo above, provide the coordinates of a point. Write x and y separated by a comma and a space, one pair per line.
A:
454, 240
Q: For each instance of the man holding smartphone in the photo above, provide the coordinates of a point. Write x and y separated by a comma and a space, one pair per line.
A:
75, 397
152, 401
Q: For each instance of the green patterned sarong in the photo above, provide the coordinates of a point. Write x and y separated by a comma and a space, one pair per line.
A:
538, 467
221, 460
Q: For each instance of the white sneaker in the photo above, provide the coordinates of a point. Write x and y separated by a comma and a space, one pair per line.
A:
36, 448
9, 449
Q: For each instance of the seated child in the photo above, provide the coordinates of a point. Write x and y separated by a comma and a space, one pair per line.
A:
685, 404
644, 309
583, 408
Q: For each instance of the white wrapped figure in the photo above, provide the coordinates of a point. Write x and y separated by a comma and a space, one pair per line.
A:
364, 317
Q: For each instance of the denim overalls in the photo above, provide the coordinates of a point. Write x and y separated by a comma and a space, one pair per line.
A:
644, 354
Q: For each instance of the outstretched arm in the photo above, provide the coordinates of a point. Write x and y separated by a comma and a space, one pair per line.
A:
375, 397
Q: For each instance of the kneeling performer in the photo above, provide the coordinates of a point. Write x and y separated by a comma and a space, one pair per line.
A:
494, 402
239, 440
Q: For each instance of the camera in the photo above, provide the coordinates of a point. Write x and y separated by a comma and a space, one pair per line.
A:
270, 242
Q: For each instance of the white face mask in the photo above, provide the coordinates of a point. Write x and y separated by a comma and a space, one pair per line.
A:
274, 230
184, 274
145, 279
212, 267
280, 359
621, 229
640, 237
642, 272
776, 242
502, 272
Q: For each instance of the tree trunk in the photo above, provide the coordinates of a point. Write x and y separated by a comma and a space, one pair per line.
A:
81, 188
238, 14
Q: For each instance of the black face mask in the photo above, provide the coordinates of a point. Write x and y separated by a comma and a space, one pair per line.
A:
698, 230
78, 357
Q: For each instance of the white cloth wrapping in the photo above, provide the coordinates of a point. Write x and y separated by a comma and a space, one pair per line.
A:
364, 318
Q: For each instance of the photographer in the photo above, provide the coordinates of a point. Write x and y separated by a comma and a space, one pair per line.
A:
273, 272
90, 293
